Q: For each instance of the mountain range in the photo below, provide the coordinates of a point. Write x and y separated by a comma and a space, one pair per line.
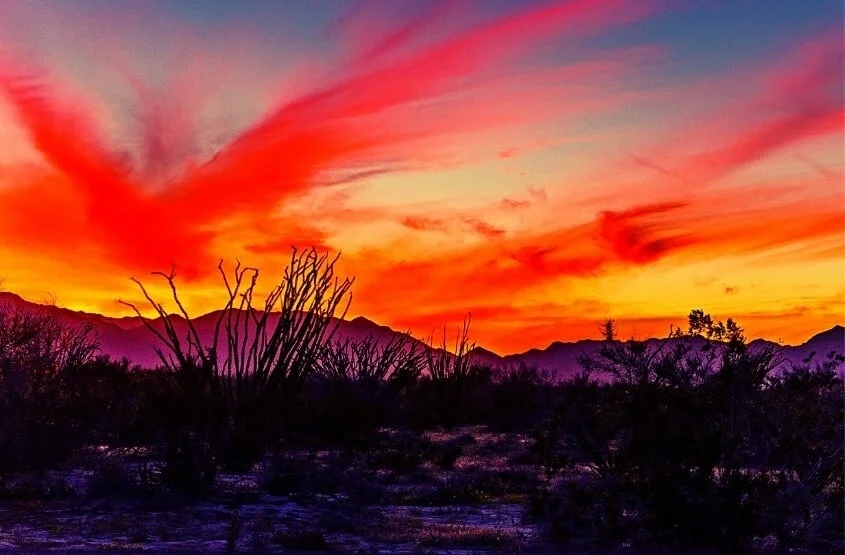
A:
128, 337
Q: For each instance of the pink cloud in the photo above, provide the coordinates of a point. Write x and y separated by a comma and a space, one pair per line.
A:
353, 122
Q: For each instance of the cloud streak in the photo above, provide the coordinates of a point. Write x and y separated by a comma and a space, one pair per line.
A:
341, 127
426, 144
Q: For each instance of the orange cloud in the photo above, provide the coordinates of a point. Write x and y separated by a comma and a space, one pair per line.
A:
328, 159
341, 128
496, 270
512, 203
423, 224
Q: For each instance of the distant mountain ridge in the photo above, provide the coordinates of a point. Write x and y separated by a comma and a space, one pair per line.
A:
561, 358
128, 337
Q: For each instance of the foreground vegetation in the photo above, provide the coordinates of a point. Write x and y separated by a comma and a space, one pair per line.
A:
692, 442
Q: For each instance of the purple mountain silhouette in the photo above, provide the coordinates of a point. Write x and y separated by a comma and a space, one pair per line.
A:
128, 337
561, 359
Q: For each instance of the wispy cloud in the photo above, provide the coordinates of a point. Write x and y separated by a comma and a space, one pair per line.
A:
357, 120
180, 151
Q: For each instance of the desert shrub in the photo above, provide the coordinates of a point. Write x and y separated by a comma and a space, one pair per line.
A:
104, 400
357, 385
37, 353
694, 442
304, 473
35, 486
229, 391
804, 425
451, 402
583, 429
396, 362
454, 389
402, 453
346, 415
516, 397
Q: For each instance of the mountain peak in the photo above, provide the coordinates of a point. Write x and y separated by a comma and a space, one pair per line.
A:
483, 354
834, 334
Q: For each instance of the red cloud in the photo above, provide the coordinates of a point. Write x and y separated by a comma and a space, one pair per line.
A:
423, 224
636, 242
493, 270
799, 98
511, 203
172, 207
406, 95
483, 228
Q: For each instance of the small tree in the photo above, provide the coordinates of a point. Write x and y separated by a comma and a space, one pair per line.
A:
238, 381
608, 329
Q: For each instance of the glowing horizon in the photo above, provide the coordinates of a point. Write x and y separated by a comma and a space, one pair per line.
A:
542, 164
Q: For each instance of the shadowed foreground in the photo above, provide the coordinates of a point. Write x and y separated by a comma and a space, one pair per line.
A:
294, 441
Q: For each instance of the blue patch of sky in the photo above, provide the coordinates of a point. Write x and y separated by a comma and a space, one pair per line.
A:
709, 37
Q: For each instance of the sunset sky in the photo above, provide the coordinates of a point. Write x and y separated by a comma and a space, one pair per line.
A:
545, 164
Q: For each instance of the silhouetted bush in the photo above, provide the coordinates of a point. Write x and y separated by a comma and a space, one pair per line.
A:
38, 427
229, 391
454, 388
357, 387
518, 397
401, 453
450, 402
695, 443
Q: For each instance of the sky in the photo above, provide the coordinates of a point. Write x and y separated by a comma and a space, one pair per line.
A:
542, 164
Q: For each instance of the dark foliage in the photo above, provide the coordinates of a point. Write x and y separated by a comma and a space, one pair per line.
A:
357, 387
228, 393
693, 441
40, 420
697, 444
